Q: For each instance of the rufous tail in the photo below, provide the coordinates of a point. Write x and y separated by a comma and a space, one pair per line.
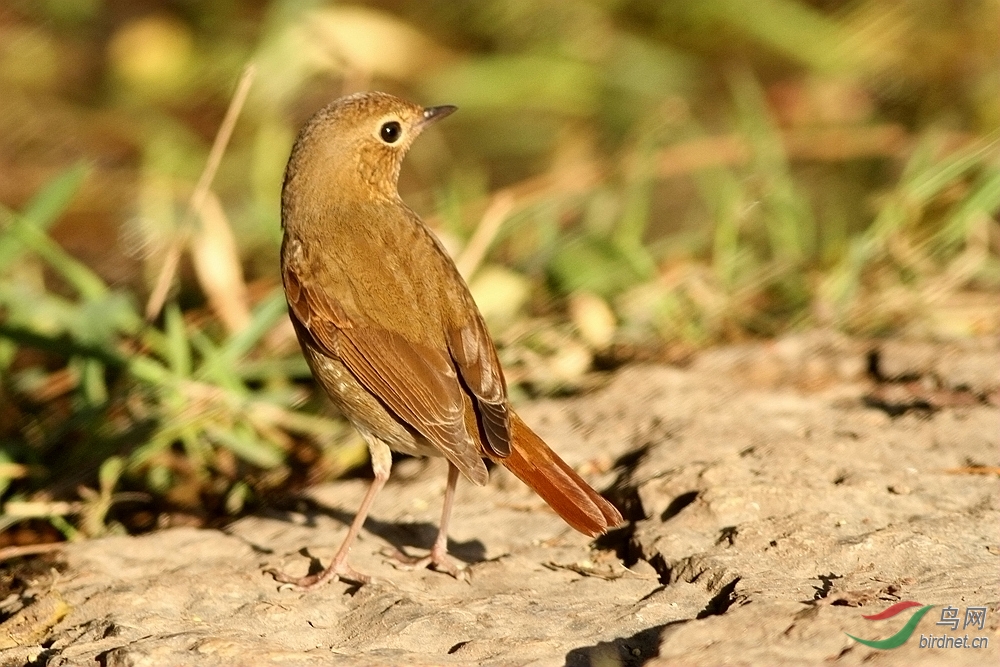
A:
550, 477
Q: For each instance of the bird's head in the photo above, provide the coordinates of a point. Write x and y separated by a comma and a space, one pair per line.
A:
358, 142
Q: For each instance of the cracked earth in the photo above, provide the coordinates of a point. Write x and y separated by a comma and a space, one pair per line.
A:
775, 494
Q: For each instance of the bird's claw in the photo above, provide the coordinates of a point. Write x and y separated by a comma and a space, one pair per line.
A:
336, 572
437, 560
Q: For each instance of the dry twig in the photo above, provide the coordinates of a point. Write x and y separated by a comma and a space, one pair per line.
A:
169, 267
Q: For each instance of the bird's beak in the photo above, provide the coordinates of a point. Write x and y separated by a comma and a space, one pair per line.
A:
434, 114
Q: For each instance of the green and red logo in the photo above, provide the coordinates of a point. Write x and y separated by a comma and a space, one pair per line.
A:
905, 632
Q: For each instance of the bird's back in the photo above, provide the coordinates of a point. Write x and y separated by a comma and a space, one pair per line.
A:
385, 266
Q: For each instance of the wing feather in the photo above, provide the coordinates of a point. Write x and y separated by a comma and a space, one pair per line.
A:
477, 363
416, 382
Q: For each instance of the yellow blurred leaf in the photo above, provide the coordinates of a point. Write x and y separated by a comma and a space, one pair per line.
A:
217, 264
152, 53
569, 364
500, 293
593, 318
373, 42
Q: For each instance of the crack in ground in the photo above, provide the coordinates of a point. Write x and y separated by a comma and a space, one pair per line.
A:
721, 601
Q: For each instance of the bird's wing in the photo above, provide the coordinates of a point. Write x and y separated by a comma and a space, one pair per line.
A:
417, 382
476, 359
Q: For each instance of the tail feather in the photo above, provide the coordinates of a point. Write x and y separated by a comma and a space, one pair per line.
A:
557, 483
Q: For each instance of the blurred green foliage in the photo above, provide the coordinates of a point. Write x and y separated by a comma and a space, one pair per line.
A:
633, 174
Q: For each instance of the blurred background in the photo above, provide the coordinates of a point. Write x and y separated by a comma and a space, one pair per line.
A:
626, 180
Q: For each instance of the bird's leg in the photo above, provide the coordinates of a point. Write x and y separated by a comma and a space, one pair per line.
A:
438, 557
338, 568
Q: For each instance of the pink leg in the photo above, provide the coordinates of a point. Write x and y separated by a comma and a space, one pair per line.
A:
338, 568
438, 557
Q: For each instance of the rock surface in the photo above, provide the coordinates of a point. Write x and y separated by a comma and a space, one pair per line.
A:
777, 493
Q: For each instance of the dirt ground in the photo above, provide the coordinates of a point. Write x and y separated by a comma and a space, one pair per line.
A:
776, 494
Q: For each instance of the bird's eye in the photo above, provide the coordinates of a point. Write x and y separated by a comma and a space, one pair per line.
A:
390, 132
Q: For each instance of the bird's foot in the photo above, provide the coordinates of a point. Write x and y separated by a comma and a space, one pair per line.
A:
437, 559
336, 571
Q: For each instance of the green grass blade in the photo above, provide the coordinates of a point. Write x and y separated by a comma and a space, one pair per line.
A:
178, 349
43, 209
215, 367
265, 316
245, 444
929, 182
786, 214
87, 283
984, 200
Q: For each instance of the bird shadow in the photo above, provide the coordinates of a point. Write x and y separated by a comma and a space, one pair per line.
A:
401, 536
632, 651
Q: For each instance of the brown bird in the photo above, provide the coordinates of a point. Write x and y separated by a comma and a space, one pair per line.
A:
389, 327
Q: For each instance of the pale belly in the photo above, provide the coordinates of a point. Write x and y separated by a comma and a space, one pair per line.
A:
366, 413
